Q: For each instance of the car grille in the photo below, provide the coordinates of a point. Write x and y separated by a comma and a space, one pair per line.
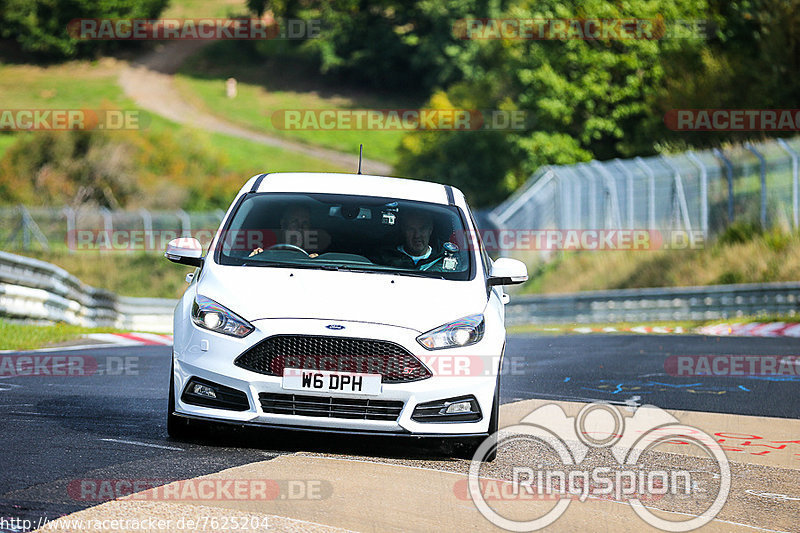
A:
321, 406
343, 354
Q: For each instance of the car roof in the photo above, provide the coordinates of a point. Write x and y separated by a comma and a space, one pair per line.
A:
356, 184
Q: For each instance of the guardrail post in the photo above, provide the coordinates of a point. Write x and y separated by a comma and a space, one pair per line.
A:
703, 192
795, 201
728, 174
763, 183
651, 192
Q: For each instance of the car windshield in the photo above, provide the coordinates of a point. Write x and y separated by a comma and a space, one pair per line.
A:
347, 232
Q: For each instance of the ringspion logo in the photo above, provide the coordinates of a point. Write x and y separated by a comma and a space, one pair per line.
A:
573, 474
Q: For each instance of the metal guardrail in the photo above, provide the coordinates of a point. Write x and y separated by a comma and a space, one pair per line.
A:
656, 304
36, 290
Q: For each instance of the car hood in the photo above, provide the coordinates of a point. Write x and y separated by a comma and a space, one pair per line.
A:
420, 304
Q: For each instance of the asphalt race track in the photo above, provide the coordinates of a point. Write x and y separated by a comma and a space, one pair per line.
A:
111, 425
630, 369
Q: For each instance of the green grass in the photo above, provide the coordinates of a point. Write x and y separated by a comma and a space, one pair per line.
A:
71, 85
203, 8
773, 256
284, 83
15, 336
6, 141
689, 326
93, 85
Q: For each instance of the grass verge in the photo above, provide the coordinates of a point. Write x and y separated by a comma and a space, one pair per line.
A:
284, 82
16, 336
687, 326
753, 257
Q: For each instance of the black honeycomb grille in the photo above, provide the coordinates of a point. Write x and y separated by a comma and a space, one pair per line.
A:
343, 354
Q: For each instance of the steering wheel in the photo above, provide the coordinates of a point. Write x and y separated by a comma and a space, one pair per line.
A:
285, 246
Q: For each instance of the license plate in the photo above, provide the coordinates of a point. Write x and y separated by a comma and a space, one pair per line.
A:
326, 381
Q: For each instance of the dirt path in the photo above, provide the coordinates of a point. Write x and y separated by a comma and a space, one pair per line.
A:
150, 83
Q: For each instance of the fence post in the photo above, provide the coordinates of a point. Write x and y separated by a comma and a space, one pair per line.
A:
703, 192
589, 176
629, 187
147, 225
681, 197
70, 214
729, 174
763, 183
108, 227
795, 187
651, 192
186, 223
611, 188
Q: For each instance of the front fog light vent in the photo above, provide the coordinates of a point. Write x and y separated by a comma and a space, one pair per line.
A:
458, 408
209, 394
204, 390
462, 409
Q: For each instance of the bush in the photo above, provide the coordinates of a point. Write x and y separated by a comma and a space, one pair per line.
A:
116, 170
739, 232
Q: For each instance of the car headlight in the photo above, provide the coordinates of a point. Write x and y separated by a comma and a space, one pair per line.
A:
462, 332
208, 314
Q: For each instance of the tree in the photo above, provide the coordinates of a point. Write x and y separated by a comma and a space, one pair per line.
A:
40, 26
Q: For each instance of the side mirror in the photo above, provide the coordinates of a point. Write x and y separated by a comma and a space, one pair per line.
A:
506, 271
185, 251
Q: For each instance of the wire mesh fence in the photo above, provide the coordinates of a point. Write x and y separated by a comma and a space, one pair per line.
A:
697, 194
27, 228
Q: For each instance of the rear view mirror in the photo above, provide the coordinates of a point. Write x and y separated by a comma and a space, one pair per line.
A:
506, 271
185, 251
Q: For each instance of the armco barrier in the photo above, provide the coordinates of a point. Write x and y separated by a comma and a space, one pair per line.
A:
656, 304
37, 290
33, 289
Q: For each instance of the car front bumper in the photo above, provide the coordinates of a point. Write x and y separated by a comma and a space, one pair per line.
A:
469, 371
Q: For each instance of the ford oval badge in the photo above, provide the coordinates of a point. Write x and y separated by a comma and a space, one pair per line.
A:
335, 327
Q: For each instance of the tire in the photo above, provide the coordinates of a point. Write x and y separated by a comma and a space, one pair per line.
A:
178, 427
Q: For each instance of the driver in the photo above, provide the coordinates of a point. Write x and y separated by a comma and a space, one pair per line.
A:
415, 252
295, 230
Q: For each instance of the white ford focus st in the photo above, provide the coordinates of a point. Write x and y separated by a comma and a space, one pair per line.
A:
342, 303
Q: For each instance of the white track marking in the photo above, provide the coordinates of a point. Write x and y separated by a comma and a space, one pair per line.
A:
136, 443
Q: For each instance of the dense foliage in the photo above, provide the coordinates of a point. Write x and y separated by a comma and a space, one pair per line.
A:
40, 26
583, 99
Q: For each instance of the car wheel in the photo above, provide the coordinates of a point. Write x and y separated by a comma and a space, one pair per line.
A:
177, 426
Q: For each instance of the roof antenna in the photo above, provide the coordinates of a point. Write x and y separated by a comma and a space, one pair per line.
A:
360, 153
